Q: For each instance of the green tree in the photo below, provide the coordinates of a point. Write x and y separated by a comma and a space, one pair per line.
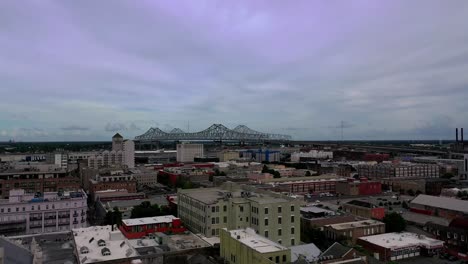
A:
394, 222
276, 174
447, 175
265, 169
113, 217
308, 173
404, 204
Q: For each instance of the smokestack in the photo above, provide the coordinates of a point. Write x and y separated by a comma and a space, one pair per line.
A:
462, 135
456, 135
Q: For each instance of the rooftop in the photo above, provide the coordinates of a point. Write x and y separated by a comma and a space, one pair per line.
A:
316, 210
261, 244
362, 204
149, 220
309, 251
355, 224
335, 251
441, 202
92, 243
395, 241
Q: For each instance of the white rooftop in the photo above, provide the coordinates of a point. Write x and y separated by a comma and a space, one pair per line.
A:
261, 244
309, 251
88, 238
149, 220
396, 241
355, 224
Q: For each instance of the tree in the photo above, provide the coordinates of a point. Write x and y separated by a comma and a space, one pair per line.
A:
410, 192
113, 217
447, 175
276, 174
394, 222
405, 205
265, 169
308, 173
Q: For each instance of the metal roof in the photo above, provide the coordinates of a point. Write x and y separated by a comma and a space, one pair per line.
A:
441, 202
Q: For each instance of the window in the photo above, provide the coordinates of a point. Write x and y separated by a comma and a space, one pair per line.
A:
225, 219
266, 221
17, 209
292, 230
277, 259
292, 208
247, 219
241, 208
9, 209
279, 220
292, 218
217, 220
1, 210
292, 242
279, 242
266, 233
266, 210
224, 208
279, 232
24, 209
284, 258
217, 208
213, 209
279, 209
213, 220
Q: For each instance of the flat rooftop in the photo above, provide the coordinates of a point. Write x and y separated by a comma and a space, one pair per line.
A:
88, 238
441, 202
316, 210
149, 220
356, 224
396, 241
261, 244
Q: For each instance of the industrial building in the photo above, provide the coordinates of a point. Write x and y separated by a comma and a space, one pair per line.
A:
397, 246
188, 152
244, 246
232, 206
311, 155
455, 236
24, 213
400, 170
364, 209
448, 208
358, 187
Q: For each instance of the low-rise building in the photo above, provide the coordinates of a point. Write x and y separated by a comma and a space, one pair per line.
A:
140, 227
351, 231
358, 187
455, 236
445, 207
364, 209
399, 170
244, 246
315, 217
305, 185
24, 213
313, 154
397, 246
338, 253
228, 155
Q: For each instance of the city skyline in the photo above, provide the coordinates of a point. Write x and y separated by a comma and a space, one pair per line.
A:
73, 71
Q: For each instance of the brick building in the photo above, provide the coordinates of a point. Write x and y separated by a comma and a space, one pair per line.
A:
358, 187
364, 209
354, 230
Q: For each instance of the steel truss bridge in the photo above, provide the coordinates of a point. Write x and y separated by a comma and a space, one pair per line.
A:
216, 132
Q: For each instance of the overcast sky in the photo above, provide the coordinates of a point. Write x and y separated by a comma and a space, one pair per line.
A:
83, 70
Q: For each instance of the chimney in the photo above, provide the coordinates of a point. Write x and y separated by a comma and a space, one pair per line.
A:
456, 135
461, 135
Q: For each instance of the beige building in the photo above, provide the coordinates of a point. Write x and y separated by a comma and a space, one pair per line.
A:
121, 155
228, 155
244, 246
401, 170
188, 152
232, 206
354, 230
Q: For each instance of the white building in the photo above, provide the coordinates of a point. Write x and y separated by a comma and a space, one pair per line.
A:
188, 152
122, 154
97, 244
25, 213
313, 154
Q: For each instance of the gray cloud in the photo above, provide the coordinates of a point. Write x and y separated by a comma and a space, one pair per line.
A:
75, 128
273, 66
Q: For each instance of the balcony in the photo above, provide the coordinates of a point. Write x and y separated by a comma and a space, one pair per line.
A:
64, 216
50, 217
75, 222
75, 215
32, 218
6, 230
35, 226
63, 223
50, 224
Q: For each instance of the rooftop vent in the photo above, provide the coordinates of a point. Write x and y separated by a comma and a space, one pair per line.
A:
129, 252
91, 240
101, 243
83, 260
105, 252
122, 244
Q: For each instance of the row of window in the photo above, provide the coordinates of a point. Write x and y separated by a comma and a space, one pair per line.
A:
23, 209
